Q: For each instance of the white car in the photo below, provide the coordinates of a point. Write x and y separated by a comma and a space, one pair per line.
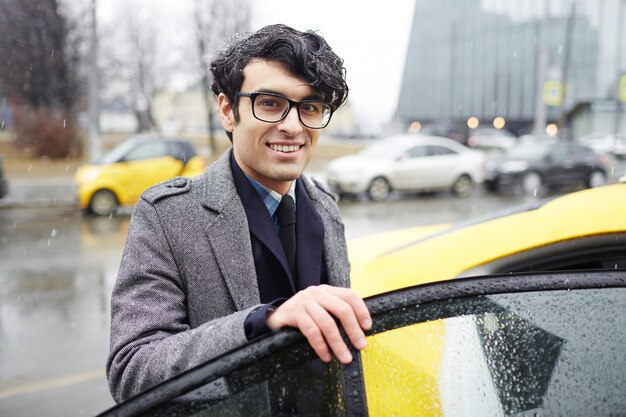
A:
407, 163
606, 143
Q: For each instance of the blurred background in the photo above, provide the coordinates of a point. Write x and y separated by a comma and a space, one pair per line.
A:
497, 102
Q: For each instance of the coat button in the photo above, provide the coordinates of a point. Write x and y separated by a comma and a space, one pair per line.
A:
180, 183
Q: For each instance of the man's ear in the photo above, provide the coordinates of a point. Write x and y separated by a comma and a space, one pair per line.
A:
226, 112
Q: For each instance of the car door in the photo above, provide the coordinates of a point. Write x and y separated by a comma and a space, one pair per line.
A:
426, 167
560, 167
145, 165
584, 160
515, 344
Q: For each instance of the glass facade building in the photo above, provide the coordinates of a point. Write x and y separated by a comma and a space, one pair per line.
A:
504, 58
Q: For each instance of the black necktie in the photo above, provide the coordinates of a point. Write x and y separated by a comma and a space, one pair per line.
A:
286, 213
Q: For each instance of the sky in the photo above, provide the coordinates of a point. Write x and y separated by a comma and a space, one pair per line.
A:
371, 36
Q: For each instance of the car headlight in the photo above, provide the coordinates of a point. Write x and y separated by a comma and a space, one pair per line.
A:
514, 166
88, 174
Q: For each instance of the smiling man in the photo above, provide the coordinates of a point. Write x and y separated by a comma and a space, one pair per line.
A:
251, 245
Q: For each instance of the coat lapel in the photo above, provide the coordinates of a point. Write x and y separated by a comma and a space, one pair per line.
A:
309, 239
228, 234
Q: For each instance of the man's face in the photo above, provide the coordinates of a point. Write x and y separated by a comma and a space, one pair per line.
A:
274, 154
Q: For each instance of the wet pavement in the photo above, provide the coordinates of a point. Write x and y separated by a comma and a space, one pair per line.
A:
57, 272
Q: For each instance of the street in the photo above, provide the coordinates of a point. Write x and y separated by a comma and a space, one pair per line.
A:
58, 269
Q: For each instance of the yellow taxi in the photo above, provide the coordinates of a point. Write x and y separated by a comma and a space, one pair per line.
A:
585, 230
120, 177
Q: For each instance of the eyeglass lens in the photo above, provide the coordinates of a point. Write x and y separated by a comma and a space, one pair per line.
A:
313, 114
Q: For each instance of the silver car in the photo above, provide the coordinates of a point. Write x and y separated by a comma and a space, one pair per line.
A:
407, 163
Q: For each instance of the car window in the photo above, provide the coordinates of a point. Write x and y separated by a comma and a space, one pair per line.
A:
561, 152
175, 150
440, 150
116, 154
310, 388
506, 354
604, 252
417, 152
583, 151
276, 375
531, 152
148, 151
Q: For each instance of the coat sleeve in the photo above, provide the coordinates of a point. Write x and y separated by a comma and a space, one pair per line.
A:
151, 339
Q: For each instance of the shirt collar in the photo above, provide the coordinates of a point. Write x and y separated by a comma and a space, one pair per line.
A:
271, 198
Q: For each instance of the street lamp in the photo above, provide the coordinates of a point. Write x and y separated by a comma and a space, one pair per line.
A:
552, 129
473, 122
499, 122
415, 127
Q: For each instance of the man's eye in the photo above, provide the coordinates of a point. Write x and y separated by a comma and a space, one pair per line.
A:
269, 102
311, 107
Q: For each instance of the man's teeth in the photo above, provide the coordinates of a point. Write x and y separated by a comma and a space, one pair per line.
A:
285, 148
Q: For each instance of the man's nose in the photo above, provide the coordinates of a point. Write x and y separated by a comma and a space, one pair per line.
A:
291, 123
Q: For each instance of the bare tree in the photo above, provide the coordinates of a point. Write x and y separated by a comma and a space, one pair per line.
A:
41, 51
215, 22
133, 64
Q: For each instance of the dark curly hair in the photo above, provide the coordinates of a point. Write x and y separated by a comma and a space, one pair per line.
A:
304, 54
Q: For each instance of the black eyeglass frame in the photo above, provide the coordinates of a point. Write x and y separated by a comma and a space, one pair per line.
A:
291, 103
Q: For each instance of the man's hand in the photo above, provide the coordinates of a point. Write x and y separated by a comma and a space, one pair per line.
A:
312, 310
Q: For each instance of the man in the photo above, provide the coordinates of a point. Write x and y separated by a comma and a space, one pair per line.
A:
211, 263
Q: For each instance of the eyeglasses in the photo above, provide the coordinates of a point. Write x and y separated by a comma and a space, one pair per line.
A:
272, 108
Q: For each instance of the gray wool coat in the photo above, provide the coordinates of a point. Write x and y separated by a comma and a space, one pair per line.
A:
187, 278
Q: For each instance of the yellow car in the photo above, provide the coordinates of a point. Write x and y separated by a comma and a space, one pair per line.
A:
522, 313
581, 231
126, 171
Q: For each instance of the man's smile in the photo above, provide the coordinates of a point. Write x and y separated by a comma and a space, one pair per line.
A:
285, 148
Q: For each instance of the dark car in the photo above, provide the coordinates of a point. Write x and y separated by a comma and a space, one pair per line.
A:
532, 168
4, 186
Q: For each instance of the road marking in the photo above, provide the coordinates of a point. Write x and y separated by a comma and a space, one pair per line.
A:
52, 383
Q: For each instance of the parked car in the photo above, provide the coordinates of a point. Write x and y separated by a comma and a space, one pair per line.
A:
533, 168
125, 172
606, 143
480, 334
4, 186
407, 163
491, 138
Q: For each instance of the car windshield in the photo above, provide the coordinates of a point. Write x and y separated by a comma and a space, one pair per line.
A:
116, 154
530, 152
